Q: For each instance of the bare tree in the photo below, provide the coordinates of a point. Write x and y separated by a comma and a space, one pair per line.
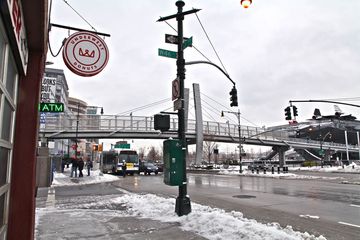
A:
209, 149
141, 152
153, 154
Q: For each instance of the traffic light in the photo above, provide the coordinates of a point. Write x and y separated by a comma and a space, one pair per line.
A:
100, 148
95, 148
287, 113
233, 98
295, 111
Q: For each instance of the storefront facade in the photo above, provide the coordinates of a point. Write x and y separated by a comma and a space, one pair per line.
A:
23, 36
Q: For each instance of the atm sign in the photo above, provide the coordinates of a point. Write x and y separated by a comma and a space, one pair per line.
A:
51, 107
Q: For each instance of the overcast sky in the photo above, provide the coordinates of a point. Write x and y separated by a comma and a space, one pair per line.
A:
275, 51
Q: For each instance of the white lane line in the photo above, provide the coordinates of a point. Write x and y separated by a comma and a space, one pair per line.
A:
309, 216
349, 224
353, 205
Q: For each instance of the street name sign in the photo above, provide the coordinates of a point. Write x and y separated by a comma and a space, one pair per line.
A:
173, 39
51, 107
123, 145
187, 43
167, 53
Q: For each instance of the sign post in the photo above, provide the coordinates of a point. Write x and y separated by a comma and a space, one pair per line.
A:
183, 205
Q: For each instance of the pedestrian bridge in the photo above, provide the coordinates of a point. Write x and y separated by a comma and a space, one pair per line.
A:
90, 126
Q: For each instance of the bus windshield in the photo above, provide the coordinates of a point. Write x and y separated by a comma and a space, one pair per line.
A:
129, 156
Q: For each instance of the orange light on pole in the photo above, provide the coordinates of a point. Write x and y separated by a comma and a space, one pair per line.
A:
245, 3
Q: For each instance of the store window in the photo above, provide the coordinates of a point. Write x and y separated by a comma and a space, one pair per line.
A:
8, 96
6, 121
4, 156
2, 210
11, 78
2, 52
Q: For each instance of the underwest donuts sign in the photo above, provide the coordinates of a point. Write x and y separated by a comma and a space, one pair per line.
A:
85, 54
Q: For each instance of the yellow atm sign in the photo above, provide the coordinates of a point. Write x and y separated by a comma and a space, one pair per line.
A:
51, 107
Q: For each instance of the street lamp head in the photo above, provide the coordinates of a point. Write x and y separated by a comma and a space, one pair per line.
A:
245, 3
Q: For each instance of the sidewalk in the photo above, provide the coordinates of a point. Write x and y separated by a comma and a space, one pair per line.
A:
76, 208
80, 217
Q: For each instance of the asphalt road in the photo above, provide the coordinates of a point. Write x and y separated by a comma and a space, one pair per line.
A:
318, 206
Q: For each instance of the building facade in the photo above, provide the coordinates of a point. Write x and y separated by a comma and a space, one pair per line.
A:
54, 88
23, 46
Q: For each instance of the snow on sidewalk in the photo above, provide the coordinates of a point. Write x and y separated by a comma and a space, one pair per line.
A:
64, 179
211, 223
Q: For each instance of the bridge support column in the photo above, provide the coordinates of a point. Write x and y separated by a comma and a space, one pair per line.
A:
281, 151
199, 124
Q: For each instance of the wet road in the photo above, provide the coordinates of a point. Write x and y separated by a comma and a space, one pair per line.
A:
319, 206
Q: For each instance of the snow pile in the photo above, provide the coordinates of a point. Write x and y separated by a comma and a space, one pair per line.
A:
64, 179
211, 223
351, 168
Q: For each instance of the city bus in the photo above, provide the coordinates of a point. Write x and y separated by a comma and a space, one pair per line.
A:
109, 160
131, 159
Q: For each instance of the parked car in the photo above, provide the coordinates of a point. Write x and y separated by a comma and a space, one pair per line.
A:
260, 166
160, 167
148, 168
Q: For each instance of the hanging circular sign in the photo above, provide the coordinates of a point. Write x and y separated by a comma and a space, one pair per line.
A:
85, 54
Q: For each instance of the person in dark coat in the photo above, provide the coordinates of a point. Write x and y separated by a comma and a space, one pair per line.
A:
81, 167
63, 163
89, 166
74, 166
123, 168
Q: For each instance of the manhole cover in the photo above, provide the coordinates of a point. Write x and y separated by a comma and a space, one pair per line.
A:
244, 196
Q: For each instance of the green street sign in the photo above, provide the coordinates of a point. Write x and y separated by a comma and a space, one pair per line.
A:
123, 145
51, 107
167, 53
187, 43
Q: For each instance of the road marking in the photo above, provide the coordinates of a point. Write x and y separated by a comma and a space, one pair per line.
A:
353, 205
309, 216
349, 224
50, 200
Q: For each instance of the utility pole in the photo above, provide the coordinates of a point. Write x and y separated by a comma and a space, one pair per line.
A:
237, 114
183, 205
76, 132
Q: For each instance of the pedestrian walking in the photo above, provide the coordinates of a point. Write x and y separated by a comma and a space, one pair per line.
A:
74, 166
63, 163
81, 167
123, 168
89, 166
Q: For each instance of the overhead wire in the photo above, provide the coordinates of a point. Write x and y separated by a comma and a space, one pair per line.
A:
192, 44
212, 45
80, 15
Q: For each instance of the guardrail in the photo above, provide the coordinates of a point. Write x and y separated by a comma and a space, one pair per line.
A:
61, 122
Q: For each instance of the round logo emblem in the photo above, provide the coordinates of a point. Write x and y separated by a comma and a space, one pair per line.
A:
85, 54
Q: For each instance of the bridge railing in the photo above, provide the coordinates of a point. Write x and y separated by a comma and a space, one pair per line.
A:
90, 122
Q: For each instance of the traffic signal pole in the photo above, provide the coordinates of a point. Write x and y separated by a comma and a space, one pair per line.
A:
183, 205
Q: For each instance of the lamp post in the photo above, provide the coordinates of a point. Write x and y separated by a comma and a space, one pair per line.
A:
92, 149
321, 144
77, 129
237, 114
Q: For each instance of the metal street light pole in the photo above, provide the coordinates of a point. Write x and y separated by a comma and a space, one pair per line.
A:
77, 129
237, 114
183, 205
